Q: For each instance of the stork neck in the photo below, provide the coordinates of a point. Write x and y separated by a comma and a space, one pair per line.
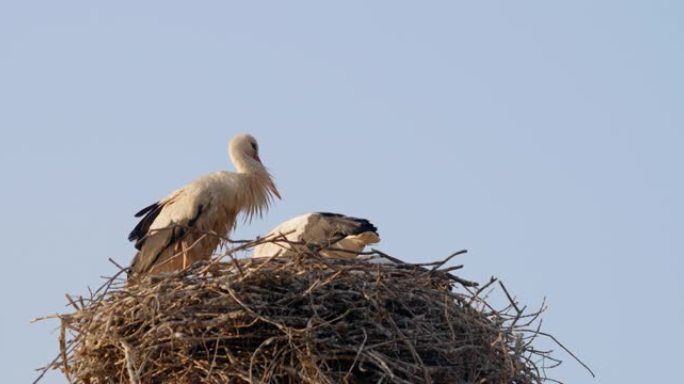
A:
246, 164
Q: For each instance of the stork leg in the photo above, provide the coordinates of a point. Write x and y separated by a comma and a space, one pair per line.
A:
185, 254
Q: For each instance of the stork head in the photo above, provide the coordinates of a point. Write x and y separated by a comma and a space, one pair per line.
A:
244, 147
244, 152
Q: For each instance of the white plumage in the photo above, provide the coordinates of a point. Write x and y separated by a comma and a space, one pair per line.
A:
339, 235
187, 225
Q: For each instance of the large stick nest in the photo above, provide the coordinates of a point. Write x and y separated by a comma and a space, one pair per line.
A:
306, 319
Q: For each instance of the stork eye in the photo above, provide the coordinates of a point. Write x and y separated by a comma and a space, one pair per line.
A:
254, 146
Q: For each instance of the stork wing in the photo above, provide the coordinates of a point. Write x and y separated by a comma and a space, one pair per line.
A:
165, 223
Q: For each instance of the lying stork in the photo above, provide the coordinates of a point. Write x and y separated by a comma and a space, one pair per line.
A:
188, 225
336, 234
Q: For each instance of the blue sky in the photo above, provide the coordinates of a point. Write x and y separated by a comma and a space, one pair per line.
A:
545, 137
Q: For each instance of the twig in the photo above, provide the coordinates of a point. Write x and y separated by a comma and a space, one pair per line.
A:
129, 355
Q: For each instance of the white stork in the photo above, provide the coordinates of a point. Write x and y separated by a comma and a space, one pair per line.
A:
187, 225
343, 236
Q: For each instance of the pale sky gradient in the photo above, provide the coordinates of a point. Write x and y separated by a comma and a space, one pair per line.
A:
545, 137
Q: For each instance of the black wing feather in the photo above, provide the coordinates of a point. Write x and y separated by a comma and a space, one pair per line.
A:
138, 233
147, 209
360, 225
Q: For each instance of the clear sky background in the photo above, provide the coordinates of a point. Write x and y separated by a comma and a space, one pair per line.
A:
545, 137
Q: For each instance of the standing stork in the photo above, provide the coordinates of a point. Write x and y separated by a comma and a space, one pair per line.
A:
188, 225
338, 235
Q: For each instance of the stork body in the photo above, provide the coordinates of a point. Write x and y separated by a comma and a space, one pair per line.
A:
338, 235
188, 225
